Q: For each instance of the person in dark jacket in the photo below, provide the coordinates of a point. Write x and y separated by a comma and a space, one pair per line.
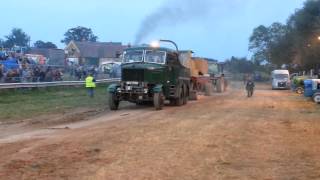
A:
250, 87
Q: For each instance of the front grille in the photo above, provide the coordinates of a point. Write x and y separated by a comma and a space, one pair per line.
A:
133, 75
282, 84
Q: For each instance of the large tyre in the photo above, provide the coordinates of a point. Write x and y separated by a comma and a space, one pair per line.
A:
185, 95
179, 101
113, 102
193, 96
316, 98
192, 93
300, 90
158, 101
208, 89
219, 86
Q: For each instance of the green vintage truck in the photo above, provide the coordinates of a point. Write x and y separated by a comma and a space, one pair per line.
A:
151, 75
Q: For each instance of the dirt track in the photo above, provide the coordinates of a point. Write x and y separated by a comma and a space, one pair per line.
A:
274, 135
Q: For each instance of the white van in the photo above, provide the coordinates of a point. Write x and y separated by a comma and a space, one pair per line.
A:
280, 79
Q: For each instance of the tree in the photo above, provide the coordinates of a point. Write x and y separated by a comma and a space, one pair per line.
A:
79, 34
46, 45
17, 38
1, 43
305, 24
271, 44
296, 42
240, 65
259, 44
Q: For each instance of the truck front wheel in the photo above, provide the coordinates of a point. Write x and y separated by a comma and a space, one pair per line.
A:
158, 100
316, 98
113, 102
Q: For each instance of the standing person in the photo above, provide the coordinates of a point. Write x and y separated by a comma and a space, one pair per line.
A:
90, 85
1, 73
42, 75
36, 74
250, 87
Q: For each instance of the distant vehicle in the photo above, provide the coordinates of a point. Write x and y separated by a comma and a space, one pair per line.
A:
38, 59
111, 68
280, 79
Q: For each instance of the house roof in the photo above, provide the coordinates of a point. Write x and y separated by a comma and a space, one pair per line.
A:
56, 56
49, 53
99, 49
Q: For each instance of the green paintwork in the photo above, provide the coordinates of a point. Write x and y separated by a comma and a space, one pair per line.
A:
168, 77
113, 88
158, 88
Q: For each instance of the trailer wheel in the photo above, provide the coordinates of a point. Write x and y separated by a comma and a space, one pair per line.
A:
193, 96
113, 102
316, 98
158, 100
208, 89
193, 93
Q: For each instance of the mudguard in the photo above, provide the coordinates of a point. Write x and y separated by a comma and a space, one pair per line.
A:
158, 88
112, 88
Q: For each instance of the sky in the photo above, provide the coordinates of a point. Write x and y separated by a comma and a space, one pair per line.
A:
220, 31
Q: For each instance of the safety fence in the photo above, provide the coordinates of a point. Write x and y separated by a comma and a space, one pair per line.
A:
52, 84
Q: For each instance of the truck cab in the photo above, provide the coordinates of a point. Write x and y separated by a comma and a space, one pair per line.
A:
280, 79
151, 75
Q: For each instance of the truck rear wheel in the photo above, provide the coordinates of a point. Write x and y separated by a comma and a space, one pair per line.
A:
185, 95
113, 102
158, 100
179, 100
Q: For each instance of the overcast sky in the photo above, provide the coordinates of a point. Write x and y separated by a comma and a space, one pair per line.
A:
220, 33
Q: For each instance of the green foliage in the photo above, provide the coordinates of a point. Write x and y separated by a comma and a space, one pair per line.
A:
46, 45
79, 34
239, 65
272, 44
17, 38
1, 43
296, 42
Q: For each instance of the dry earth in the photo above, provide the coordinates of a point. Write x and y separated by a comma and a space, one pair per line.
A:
274, 135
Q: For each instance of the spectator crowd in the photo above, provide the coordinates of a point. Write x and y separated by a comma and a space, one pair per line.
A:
18, 69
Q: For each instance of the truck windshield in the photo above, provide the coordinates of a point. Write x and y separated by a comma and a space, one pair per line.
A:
158, 57
132, 56
281, 76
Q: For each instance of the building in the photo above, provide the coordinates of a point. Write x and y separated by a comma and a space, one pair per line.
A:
53, 56
94, 53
